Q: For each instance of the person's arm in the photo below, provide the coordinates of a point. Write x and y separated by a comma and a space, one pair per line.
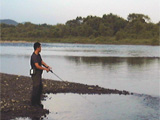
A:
44, 64
41, 68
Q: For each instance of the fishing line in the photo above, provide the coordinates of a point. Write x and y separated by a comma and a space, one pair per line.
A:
79, 94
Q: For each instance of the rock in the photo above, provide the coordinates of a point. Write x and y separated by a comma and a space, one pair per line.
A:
90, 88
13, 100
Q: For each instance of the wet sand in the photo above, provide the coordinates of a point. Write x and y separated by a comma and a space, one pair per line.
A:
16, 94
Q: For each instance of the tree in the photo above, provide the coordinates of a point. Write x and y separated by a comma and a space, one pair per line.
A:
138, 17
114, 22
137, 26
120, 35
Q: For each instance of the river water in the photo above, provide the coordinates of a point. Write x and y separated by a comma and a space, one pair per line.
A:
123, 67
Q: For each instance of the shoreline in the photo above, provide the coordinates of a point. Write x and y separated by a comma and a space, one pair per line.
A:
16, 93
21, 41
14, 41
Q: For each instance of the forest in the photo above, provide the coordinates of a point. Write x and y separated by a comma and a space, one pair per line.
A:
109, 29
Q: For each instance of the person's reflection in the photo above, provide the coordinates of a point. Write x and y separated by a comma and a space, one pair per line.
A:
38, 117
39, 114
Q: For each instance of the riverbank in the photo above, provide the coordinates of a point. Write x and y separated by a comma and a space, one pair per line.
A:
85, 40
13, 41
16, 93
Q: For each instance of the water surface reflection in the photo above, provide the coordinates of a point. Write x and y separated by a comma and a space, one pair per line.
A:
139, 61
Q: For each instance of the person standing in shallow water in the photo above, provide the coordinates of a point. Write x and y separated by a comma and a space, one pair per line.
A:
36, 75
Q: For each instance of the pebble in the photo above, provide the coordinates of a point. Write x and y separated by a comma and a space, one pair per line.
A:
13, 100
90, 88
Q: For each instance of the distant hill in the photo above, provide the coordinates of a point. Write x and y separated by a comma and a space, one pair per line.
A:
9, 21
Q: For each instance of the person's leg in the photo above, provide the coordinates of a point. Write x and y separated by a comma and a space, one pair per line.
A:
39, 96
40, 93
34, 97
35, 89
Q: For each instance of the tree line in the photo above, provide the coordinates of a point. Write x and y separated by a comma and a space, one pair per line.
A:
136, 27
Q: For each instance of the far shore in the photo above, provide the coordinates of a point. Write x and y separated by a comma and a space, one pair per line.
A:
14, 41
83, 41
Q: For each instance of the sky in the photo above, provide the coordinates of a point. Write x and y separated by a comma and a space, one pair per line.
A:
60, 11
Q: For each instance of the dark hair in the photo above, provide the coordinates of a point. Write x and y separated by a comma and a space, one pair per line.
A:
36, 45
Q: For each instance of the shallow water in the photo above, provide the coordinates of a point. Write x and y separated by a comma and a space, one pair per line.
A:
100, 107
124, 67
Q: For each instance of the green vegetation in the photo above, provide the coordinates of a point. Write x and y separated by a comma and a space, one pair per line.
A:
109, 29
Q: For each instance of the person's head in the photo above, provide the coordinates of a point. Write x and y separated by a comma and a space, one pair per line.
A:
37, 46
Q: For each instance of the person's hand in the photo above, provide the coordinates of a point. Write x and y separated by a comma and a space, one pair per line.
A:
47, 69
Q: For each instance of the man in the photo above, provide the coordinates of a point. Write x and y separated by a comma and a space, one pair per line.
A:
36, 74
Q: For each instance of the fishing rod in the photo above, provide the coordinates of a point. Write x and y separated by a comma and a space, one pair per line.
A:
56, 75
79, 94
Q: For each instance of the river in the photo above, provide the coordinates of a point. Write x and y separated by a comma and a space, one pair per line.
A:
123, 67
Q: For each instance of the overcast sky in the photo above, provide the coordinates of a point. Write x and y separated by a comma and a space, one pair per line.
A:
59, 11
